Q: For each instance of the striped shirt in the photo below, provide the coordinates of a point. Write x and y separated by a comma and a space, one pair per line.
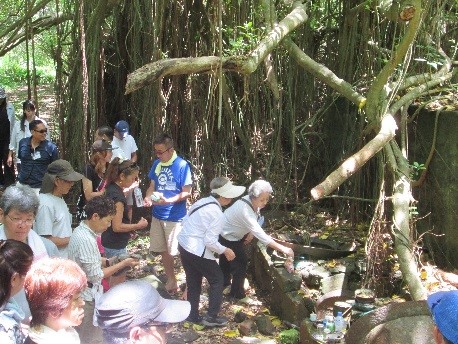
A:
83, 249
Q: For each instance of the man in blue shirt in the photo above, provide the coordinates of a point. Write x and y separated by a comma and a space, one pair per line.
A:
35, 153
171, 182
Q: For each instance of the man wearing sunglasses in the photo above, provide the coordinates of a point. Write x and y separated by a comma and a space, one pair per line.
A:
134, 312
35, 153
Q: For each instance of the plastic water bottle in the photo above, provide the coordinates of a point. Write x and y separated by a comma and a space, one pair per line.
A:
330, 323
339, 322
138, 197
319, 335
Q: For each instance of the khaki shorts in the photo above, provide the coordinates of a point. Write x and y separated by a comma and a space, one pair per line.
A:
89, 334
163, 236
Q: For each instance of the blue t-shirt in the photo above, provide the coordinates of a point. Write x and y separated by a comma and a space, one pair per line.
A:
34, 162
170, 182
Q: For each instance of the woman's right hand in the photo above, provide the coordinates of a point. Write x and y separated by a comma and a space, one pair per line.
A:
142, 223
9, 161
130, 262
230, 255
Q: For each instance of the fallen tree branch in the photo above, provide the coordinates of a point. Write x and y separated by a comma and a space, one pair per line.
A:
324, 74
149, 73
357, 160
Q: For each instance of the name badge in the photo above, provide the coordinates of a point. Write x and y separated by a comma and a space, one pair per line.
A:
36, 155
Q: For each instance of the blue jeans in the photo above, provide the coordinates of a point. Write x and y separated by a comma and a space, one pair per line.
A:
112, 252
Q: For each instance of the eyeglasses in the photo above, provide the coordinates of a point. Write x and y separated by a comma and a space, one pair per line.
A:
18, 221
42, 131
160, 153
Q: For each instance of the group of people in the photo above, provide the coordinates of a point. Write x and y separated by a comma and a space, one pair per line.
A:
132, 312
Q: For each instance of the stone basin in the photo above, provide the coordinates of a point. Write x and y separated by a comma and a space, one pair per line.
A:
397, 323
321, 249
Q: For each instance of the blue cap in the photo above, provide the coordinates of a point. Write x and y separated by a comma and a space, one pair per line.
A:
444, 309
122, 127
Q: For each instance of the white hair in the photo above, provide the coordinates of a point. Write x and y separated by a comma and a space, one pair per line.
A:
258, 187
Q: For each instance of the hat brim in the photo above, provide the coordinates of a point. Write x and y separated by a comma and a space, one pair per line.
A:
174, 311
72, 177
232, 191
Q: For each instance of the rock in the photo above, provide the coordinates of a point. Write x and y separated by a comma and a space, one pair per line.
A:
397, 323
240, 316
265, 325
333, 282
247, 327
289, 306
305, 332
189, 336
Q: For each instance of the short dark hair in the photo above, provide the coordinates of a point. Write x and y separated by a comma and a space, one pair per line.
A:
34, 124
101, 205
105, 130
15, 257
163, 139
119, 166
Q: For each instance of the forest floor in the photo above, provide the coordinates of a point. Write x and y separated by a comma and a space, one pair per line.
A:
322, 225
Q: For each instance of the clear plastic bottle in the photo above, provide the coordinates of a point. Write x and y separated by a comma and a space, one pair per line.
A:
330, 323
339, 323
138, 197
319, 335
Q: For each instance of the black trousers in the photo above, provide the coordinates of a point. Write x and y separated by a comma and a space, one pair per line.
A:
235, 268
196, 268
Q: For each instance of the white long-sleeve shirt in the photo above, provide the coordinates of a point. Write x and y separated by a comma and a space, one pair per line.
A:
201, 229
241, 219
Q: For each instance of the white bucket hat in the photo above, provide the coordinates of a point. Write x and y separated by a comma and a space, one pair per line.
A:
229, 190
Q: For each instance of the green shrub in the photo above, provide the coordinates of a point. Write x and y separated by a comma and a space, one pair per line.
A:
290, 336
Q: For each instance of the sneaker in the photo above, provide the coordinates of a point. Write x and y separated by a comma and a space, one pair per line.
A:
194, 319
214, 321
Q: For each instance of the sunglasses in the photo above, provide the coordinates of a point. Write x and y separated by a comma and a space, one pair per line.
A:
42, 131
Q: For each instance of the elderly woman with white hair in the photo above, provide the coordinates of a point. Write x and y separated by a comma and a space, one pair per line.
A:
241, 225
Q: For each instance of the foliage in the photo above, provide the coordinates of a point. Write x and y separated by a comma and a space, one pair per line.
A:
242, 38
290, 336
14, 73
416, 168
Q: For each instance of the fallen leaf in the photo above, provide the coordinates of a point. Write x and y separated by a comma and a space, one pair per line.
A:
231, 333
198, 327
276, 322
